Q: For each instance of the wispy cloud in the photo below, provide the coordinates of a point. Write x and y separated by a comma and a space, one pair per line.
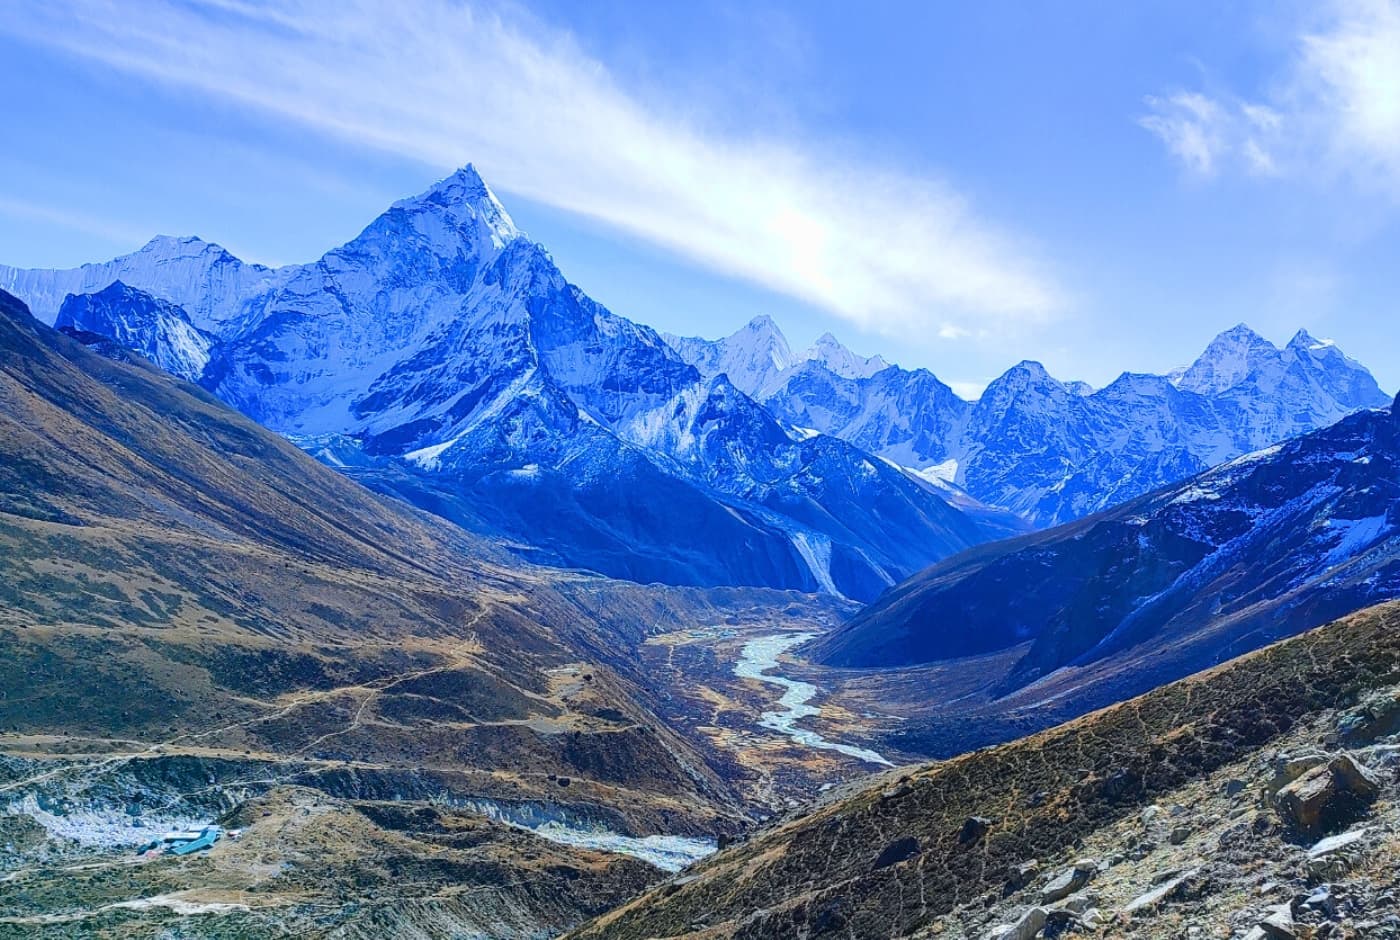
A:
444, 82
1347, 82
1333, 110
118, 233
1205, 133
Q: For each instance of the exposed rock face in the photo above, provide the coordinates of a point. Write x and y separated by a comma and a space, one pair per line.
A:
1327, 798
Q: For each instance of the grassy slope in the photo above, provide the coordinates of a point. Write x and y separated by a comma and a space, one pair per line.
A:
189, 602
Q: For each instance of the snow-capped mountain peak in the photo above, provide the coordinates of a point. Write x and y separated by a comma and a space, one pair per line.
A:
1305, 340
830, 352
1228, 361
754, 358
760, 341
467, 204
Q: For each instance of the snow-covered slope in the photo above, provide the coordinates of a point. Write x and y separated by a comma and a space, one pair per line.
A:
1265, 545
209, 284
1053, 451
443, 356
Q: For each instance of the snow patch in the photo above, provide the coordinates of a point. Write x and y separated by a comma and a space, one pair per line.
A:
1353, 536
430, 457
104, 828
816, 552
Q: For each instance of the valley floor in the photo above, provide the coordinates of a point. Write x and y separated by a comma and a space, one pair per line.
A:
319, 841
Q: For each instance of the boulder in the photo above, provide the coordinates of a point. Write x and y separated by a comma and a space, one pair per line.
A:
1378, 716
1328, 797
973, 830
1026, 927
1077, 903
1333, 844
1059, 922
1165, 890
1321, 901
1022, 875
1277, 924
1069, 881
1285, 768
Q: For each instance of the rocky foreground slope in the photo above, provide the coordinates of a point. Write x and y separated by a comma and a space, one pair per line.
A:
1258, 800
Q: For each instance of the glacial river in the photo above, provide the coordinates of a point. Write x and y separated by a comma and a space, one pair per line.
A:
757, 661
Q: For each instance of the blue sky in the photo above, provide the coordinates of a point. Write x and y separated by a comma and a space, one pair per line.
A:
1097, 185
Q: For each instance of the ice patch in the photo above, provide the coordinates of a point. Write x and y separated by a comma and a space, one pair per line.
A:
106, 828
668, 853
816, 552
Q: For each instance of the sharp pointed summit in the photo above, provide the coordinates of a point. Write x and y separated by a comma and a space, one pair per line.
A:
1227, 361
830, 352
465, 201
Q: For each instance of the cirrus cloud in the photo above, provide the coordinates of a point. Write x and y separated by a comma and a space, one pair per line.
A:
444, 82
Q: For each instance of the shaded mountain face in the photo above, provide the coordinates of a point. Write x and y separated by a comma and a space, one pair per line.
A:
1047, 450
157, 329
450, 354
1261, 547
1076, 817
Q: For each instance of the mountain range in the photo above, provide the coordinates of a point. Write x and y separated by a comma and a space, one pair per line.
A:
442, 357
1058, 622
1050, 451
